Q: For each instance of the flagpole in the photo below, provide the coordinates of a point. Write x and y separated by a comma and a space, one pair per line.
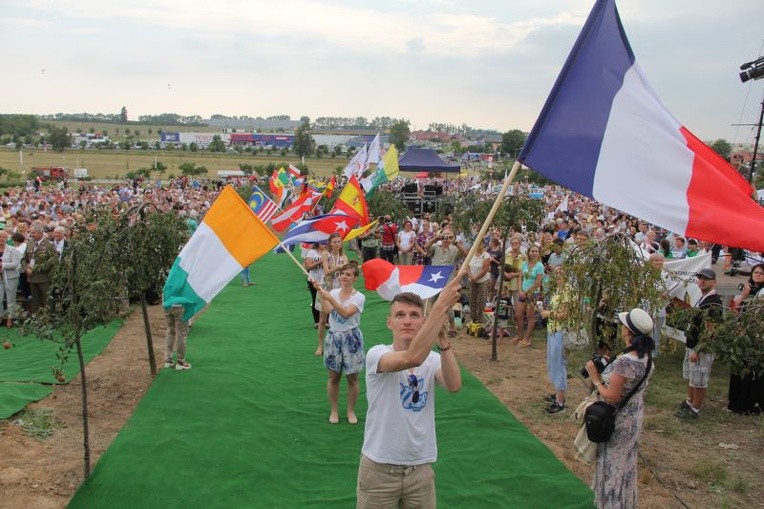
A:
296, 262
491, 214
313, 208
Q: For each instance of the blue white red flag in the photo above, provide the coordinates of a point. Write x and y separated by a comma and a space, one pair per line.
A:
261, 205
318, 229
389, 280
604, 133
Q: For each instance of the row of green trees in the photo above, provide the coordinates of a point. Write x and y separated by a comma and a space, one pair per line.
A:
108, 260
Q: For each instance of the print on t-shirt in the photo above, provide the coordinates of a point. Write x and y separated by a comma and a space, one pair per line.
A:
410, 400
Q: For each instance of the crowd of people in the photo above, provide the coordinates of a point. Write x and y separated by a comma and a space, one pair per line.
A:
534, 254
35, 223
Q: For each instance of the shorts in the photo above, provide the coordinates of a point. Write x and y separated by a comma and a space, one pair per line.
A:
343, 351
697, 373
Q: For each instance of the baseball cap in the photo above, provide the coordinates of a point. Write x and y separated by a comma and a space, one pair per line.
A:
706, 274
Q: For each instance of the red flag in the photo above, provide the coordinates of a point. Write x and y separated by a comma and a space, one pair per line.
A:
294, 212
329, 191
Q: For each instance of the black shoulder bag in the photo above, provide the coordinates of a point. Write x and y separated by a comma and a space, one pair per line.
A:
599, 417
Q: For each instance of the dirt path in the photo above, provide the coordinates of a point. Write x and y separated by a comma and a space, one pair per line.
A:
46, 473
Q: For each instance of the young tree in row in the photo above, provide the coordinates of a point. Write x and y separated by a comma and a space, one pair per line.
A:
107, 258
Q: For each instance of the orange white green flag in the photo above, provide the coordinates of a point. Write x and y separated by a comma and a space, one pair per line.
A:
229, 238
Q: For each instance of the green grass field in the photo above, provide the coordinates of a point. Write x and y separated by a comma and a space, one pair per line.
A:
109, 164
112, 129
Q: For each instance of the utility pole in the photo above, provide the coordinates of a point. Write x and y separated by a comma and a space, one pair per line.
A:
756, 144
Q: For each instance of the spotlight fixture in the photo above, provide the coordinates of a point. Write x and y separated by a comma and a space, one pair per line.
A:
752, 70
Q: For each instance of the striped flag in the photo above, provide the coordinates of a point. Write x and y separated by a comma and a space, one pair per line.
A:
294, 212
261, 205
605, 133
229, 238
318, 229
294, 172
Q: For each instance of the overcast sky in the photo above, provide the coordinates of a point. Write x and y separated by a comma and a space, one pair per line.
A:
489, 64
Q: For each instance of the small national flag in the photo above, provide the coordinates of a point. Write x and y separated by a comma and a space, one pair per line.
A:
329, 190
389, 280
386, 171
229, 238
374, 155
294, 212
351, 201
277, 184
294, 172
261, 205
358, 164
356, 232
318, 229
604, 133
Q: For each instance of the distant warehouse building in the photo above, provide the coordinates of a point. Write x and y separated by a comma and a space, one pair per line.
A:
277, 140
202, 140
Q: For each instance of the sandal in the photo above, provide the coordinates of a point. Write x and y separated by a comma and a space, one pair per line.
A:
452, 334
524, 344
319, 352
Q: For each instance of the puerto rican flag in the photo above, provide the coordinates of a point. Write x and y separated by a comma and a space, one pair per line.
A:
389, 280
604, 133
318, 229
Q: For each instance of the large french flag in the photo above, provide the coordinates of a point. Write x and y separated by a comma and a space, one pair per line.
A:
604, 133
389, 280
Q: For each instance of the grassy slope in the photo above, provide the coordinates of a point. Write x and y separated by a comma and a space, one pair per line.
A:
117, 163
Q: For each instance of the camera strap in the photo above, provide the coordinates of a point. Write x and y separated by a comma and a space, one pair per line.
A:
636, 387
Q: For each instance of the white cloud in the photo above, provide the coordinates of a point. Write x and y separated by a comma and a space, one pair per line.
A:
488, 63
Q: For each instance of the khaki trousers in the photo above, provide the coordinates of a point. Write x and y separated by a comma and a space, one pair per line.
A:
177, 331
383, 486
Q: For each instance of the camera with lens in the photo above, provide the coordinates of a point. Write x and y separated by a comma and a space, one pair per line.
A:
600, 362
741, 287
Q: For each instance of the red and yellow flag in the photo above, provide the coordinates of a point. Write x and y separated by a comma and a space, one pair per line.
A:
352, 202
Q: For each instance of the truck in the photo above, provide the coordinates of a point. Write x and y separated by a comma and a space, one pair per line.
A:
49, 173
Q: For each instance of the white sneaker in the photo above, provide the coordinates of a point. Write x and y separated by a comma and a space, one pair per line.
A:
181, 365
169, 364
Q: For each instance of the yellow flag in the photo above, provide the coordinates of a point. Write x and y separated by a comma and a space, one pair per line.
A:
360, 231
390, 163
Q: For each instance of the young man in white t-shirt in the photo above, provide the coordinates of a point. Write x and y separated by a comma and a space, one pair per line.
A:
399, 441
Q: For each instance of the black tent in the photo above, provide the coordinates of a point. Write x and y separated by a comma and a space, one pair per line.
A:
426, 160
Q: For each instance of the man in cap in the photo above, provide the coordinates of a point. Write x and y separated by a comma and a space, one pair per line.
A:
697, 365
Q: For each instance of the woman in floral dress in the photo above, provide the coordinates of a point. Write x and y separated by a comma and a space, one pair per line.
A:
615, 476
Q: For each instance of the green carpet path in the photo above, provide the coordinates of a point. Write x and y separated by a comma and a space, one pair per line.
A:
247, 426
25, 369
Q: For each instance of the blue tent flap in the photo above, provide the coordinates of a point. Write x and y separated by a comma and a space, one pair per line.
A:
425, 159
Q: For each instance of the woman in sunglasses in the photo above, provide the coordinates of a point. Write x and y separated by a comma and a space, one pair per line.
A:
343, 345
